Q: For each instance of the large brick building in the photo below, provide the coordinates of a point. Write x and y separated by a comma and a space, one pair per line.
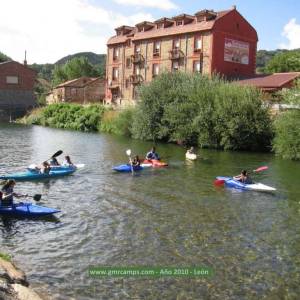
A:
80, 90
16, 90
208, 42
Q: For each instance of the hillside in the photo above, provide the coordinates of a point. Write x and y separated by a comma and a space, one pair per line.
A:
94, 59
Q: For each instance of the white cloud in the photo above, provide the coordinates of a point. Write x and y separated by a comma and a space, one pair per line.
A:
49, 30
292, 32
161, 4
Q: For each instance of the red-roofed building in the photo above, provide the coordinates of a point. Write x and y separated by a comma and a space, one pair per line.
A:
272, 83
80, 90
207, 42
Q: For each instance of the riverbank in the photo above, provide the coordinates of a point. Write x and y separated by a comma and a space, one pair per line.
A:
188, 110
13, 282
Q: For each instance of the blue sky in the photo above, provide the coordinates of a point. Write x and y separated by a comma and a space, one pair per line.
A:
51, 29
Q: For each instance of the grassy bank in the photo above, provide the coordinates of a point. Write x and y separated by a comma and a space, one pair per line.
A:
187, 109
5, 256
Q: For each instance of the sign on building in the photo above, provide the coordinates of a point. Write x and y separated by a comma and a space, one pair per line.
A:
236, 51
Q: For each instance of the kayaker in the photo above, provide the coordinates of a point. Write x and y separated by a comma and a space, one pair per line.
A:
152, 154
45, 168
243, 177
54, 162
191, 150
8, 193
136, 161
67, 161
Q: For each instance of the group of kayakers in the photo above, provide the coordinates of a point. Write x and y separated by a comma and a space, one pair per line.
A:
151, 155
7, 191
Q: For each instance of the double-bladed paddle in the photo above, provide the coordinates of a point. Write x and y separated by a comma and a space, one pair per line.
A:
260, 169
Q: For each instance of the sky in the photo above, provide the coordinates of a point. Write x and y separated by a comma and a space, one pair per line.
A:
51, 29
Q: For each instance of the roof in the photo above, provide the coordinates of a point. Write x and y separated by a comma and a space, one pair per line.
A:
78, 82
270, 82
194, 26
19, 64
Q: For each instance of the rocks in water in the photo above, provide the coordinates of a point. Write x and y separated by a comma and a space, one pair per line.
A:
13, 283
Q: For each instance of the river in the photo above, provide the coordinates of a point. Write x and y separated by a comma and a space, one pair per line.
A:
165, 217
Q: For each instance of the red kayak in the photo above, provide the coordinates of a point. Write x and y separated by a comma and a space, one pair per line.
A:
155, 163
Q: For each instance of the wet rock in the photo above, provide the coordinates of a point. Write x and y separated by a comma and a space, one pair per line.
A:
14, 275
25, 293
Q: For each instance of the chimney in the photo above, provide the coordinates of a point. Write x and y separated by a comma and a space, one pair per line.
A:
25, 61
233, 6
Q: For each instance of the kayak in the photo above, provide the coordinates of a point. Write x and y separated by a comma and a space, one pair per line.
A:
259, 187
28, 175
127, 168
191, 156
154, 163
33, 167
27, 209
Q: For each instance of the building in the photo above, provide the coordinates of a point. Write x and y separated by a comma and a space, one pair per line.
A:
16, 90
273, 83
80, 90
207, 42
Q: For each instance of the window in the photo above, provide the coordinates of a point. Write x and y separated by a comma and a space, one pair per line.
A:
115, 75
159, 25
176, 44
197, 66
156, 49
197, 44
175, 66
73, 91
127, 83
137, 49
155, 70
12, 79
178, 23
137, 71
116, 54
128, 62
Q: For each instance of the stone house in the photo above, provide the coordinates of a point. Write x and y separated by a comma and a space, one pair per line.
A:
16, 90
80, 90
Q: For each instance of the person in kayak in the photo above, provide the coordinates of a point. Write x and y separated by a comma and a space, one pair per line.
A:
136, 161
45, 168
243, 177
54, 162
7, 193
152, 154
67, 161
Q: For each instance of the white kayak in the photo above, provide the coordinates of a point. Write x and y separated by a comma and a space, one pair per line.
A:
190, 156
34, 167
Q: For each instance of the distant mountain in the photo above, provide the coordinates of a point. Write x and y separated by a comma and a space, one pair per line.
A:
94, 59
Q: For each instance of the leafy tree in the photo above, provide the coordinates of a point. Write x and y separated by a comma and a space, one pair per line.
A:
3, 57
288, 61
75, 68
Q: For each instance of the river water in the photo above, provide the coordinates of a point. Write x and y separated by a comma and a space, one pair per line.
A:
171, 217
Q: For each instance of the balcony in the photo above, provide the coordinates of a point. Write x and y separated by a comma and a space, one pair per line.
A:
156, 53
176, 54
137, 58
136, 79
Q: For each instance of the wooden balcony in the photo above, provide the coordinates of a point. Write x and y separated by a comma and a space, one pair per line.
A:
136, 79
137, 58
176, 54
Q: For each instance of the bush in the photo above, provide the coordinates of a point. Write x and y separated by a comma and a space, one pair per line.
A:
194, 109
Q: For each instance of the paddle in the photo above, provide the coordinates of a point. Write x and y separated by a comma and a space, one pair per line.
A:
260, 169
36, 197
128, 152
58, 153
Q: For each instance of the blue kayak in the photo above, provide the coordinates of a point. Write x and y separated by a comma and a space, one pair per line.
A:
27, 209
230, 182
29, 175
127, 168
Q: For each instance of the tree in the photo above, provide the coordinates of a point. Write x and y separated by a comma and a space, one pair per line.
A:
285, 62
75, 68
3, 57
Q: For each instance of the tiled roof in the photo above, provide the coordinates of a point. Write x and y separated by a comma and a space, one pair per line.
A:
78, 82
276, 80
172, 30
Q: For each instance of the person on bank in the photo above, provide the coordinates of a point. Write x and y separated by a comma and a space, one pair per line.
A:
152, 154
243, 177
54, 162
191, 150
7, 193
